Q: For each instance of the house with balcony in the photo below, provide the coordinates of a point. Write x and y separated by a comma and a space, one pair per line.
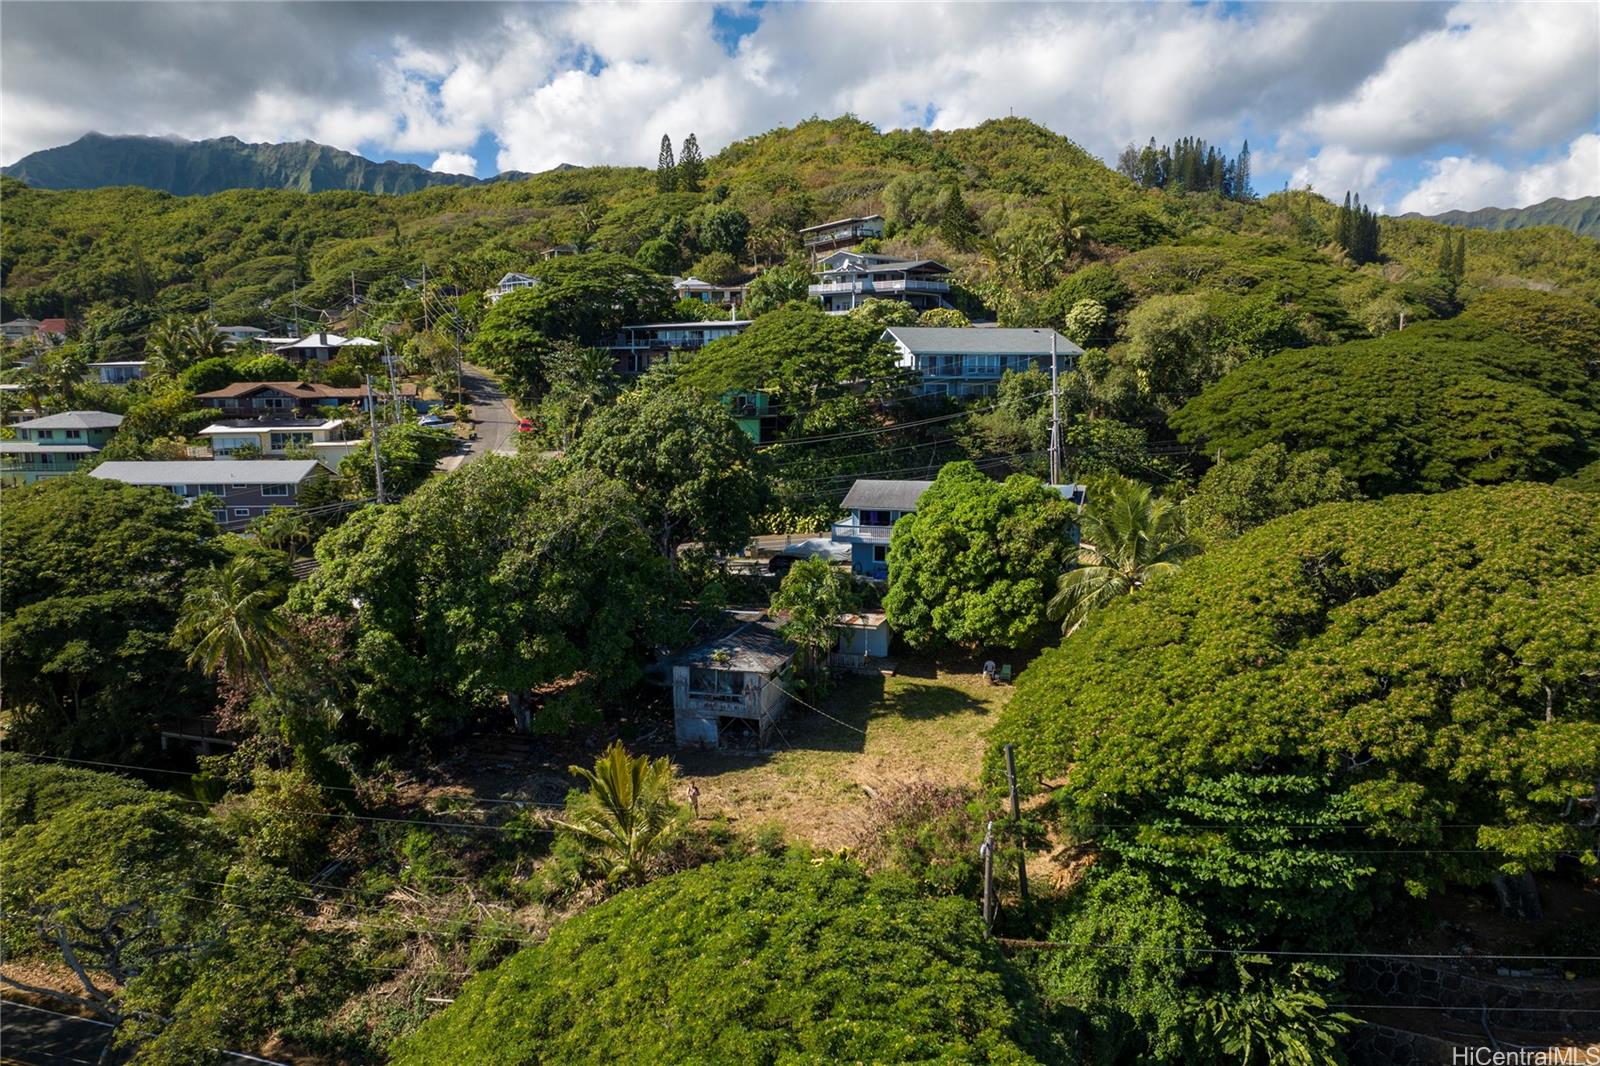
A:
255, 399
54, 446
829, 237
728, 691
237, 490
118, 371
752, 412
636, 347
848, 279
970, 361
510, 283
321, 347
875, 506
275, 437
728, 296
232, 335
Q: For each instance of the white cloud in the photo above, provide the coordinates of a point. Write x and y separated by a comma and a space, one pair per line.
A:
1335, 170
455, 163
1468, 183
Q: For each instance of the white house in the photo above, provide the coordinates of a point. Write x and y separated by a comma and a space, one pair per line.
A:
321, 347
232, 335
119, 371
848, 279
969, 361
511, 283
707, 293
273, 437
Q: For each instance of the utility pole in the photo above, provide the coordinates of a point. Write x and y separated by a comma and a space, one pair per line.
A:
294, 299
1055, 414
355, 315
1016, 823
426, 326
372, 423
987, 851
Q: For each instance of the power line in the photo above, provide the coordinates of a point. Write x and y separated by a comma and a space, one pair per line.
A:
1061, 945
855, 434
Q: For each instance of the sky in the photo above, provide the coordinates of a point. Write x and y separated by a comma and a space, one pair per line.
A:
1415, 106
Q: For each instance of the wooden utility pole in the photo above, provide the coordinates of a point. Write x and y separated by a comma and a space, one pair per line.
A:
1016, 823
987, 851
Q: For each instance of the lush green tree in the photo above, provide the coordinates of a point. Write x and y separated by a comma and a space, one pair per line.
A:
727, 230
176, 344
271, 367
719, 268
1087, 321
1128, 537
230, 625
583, 382
628, 817
974, 564
814, 600
956, 225
1435, 653
409, 454
165, 412
1438, 405
503, 578
689, 309
209, 375
666, 168
1562, 324
659, 256
761, 960
92, 574
943, 318
583, 298
691, 166
692, 470
881, 314
799, 354
777, 286
1270, 481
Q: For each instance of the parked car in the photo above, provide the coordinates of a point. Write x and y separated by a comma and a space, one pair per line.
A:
436, 420
524, 425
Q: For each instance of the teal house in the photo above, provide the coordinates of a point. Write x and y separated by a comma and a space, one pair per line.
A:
54, 446
753, 412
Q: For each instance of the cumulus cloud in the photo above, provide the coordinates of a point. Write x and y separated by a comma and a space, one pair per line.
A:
1332, 94
456, 163
1468, 182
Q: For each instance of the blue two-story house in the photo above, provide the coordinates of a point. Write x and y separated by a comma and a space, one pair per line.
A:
875, 506
970, 361
55, 445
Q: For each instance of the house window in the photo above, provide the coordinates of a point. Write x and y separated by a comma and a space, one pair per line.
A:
274, 490
241, 512
220, 514
880, 553
982, 365
181, 490
74, 434
877, 518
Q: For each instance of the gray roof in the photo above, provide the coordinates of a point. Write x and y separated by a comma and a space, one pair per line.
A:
753, 647
263, 425
210, 472
955, 340
721, 323
842, 222
73, 420
886, 495
893, 266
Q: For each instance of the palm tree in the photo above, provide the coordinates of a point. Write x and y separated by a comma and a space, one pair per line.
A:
176, 344
1072, 225
282, 529
230, 623
628, 815
1128, 537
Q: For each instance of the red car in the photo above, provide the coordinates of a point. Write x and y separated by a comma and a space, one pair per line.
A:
524, 425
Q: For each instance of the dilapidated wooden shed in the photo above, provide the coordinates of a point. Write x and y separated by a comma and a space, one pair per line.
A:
728, 691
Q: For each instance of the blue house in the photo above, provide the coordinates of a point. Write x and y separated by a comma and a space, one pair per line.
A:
55, 445
875, 506
969, 361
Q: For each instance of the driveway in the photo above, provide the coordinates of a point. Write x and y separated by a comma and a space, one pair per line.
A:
494, 417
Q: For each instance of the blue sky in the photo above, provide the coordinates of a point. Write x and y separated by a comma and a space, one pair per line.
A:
1422, 106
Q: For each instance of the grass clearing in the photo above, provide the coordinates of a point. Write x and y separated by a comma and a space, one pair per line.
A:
926, 723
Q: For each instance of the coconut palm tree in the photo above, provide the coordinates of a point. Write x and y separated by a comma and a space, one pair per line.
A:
1128, 537
175, 344
230, 623
628, 815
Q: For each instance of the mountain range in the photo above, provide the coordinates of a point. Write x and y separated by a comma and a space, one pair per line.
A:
195, 168
1581, 216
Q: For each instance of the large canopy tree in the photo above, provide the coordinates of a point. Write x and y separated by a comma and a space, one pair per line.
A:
974, 565
503, 578
1433, 657
1439, 405
761, 960
92, 574
692, 470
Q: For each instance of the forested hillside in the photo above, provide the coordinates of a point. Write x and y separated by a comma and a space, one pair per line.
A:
1014, 207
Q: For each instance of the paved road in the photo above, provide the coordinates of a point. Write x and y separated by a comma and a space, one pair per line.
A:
495, 418
31, 1036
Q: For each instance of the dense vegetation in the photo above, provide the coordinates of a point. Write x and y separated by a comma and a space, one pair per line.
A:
762, 961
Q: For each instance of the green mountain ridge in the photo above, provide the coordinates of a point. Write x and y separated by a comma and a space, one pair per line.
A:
1581, 216
199, 168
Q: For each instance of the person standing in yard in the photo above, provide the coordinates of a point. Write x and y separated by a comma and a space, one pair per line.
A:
694, 798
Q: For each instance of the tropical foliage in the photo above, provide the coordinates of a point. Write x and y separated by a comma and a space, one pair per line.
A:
628, 815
